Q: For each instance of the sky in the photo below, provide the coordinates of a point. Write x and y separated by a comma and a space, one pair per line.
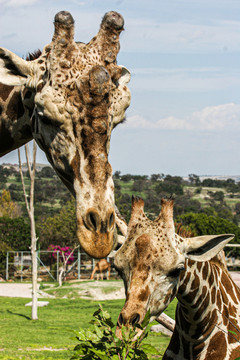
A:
184, 58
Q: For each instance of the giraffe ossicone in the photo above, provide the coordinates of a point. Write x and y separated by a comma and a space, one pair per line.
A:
69, 100
156, 265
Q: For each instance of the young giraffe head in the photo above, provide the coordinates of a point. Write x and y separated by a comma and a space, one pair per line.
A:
80, 96
152, 259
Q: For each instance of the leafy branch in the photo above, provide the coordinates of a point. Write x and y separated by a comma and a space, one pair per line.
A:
101, 343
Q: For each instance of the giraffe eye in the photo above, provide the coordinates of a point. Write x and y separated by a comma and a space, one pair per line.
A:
176, 272
45, 120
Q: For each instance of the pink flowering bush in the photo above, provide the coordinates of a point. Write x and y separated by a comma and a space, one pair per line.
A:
63, 251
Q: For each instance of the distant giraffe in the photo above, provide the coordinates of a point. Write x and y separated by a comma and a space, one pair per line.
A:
102, 265
156, 264
69, 99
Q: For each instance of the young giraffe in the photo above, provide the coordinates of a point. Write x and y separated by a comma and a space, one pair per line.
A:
156, 264
102, 265
69, 100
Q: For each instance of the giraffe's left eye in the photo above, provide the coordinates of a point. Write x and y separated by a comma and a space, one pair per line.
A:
176, 272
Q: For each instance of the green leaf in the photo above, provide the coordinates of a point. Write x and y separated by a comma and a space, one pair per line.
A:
81, 334
99, 333
146, 319
149, 349
100, 354
91, 336
114, 357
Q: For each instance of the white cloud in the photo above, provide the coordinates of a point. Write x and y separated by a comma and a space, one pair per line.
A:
221, 117
17, 3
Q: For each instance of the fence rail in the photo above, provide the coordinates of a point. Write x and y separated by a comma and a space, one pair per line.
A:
18, 266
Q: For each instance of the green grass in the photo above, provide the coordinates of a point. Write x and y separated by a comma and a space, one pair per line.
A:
20, 336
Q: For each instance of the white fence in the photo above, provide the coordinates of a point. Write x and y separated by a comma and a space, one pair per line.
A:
18, 266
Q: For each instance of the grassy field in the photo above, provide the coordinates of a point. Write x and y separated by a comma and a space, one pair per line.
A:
50, 336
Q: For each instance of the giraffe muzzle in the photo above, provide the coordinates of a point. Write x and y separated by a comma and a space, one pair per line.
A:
96, 233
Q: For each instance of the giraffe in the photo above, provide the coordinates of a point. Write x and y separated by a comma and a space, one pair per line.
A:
157, 265
69, 100
102, 265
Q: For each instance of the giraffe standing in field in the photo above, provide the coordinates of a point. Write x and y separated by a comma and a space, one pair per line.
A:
157, 265
101, 266
69, 100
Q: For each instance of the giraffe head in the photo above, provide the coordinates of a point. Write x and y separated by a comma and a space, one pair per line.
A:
152, 259
80, 96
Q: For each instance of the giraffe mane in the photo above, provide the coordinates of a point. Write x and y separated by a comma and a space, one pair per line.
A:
220, 260
33, 55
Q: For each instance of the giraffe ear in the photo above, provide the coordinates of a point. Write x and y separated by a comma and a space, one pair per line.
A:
204, 248
13, 69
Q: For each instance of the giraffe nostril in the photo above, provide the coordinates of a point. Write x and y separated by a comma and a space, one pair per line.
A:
135, 319
120, 320
92, 221
111, 221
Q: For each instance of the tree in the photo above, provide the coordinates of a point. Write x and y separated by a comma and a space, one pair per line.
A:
156, 177
171, 185
202, 224
117, 174
47, 172
194, 179
30, 210
237, 208
60, 229
126, 177
66, 257
16, 233
8, 208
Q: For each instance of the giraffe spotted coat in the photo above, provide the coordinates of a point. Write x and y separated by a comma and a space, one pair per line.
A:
69, 100
157, 265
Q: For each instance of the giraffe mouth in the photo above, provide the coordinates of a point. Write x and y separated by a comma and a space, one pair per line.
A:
96, 236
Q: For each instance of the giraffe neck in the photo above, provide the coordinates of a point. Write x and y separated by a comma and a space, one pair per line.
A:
206, 315
16, 108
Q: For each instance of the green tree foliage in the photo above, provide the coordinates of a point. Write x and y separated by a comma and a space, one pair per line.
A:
194, 179
4, 248
47, 172
15, 233
171, 185
202, 224
59, 229
185, 203
8, 208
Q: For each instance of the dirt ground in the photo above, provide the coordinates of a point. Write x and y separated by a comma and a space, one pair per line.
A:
96, 290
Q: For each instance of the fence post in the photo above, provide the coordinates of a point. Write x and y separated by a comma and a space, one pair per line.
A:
57, 265
21, 265
79, 264
7, 267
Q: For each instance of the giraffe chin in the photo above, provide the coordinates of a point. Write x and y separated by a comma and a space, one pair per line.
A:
96, 244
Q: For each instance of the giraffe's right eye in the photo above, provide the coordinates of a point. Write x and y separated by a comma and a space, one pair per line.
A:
176, 272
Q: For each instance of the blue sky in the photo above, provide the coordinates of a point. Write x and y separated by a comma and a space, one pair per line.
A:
184, 57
